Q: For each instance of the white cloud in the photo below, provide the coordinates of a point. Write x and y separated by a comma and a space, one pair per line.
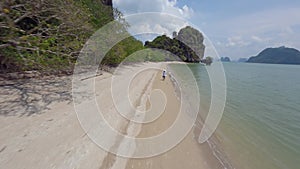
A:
154, 23
264, 21
236, 41
256, 38
164, 6
246, 35
154, 16
186, 12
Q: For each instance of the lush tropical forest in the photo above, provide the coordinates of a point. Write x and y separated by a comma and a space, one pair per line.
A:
48, 35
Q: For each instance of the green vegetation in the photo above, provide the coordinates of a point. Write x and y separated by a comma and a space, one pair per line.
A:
208, 60
281, 55
48, 35
189, 48
43, 35
187, 44
152, 55
122, 50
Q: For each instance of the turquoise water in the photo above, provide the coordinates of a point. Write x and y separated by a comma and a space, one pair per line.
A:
260, 127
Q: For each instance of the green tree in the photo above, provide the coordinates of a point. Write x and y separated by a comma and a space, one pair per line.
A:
187, 44
208, 60
122, 50
48, 34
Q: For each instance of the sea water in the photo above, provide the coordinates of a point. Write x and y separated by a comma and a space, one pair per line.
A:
260, 126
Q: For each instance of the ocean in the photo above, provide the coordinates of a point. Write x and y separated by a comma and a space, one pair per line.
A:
260, 126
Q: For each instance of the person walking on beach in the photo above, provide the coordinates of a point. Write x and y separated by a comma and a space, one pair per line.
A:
164, 74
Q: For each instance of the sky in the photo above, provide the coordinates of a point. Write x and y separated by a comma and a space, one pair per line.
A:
236, 28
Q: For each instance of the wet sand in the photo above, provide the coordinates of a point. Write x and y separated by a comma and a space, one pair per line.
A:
188, 153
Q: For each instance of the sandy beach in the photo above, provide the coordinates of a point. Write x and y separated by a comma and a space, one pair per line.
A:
53, 136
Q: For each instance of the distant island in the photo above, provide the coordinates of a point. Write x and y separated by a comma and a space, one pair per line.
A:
225, 59
280, 55
242, 60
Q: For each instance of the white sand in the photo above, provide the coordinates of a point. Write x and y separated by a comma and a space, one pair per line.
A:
55, 139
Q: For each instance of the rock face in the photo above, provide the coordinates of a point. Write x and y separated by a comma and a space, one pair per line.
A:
187, 44
281, 55
194, 39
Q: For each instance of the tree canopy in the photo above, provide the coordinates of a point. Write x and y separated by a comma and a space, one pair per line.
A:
187, 44
49, 34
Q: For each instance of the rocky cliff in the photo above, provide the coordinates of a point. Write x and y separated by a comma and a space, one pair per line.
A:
187, 44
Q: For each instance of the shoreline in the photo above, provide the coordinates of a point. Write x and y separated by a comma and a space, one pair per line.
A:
39, 74
213, 145
25, 139
189, 152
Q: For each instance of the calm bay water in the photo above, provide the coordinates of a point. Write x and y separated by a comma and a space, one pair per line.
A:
260, 127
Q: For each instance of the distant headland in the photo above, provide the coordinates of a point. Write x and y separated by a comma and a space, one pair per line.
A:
280, 55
